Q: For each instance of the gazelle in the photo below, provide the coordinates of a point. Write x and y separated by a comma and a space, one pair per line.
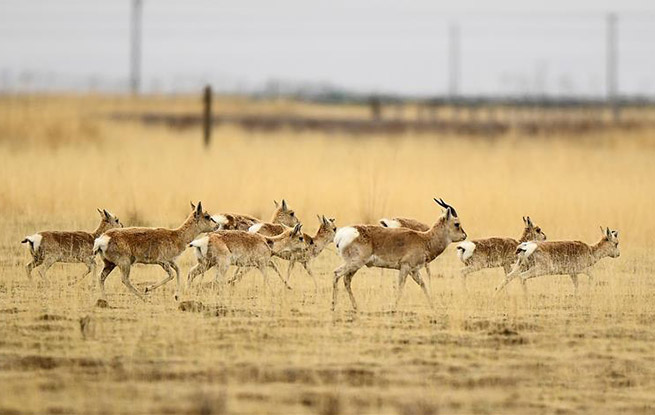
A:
495, 252
50, 247
244, 249
396, 248
157, 246
232, 221
314, 245
562, 258
412, 224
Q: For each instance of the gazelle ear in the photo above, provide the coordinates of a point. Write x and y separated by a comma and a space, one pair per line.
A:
325, 221
284, 204
448, 213
529, 221
107, 215
608, 232
296, 229
199, 208
616, 234
319, 218
602, 230
193, 207
276, 205
100, 212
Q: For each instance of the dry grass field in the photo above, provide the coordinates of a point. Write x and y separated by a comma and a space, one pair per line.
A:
246, 349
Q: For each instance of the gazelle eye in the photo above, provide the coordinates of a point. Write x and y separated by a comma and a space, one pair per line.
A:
291, 213
457, 225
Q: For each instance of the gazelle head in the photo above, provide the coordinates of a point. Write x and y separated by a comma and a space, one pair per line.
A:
283, 215
201, 219
451, 223
531, 232
291, 240
610, 242
109, 220
327, 226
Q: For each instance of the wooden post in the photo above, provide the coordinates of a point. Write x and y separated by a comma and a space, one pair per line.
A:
207, 115
376, 108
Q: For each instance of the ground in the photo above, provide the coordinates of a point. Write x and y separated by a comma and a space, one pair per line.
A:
248, 349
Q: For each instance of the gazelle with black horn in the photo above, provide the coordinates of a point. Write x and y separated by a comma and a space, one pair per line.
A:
408, 223
395, 248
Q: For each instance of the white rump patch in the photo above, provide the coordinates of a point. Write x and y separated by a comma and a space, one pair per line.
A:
255, 228
201, 245
101, 243
465, 250
526, 249
390, 223
221, 220
35, 241
344, 237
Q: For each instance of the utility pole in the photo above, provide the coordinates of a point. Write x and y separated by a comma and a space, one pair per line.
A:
453, 60
207, 115
612, 69
135, 46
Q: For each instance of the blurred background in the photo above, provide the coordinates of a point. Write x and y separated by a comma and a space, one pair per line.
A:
288, 81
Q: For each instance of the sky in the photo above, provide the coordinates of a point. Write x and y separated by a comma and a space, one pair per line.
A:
507, 47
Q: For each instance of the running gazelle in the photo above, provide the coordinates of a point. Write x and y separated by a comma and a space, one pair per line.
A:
157, 246
50, 247
221, 249
495, 252
396, 248
562, 258
314, 245
234, 221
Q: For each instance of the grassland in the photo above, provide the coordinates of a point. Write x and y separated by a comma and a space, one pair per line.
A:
247, 350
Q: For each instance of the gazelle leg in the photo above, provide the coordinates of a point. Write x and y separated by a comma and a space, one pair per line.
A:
574, 280
106, 270
46, 266
503, 284
90, 268
262, 270
196, 270
238, 274
277, 271
169, 277
178, 281
341, 271
402, 277
465, 272
428, 273
292, 263
335, 283
417, 278
311, 274
36, 261
125, 270
221, 270
524, 286
347, 279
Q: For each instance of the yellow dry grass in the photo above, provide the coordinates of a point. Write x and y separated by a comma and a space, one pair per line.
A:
249, 350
